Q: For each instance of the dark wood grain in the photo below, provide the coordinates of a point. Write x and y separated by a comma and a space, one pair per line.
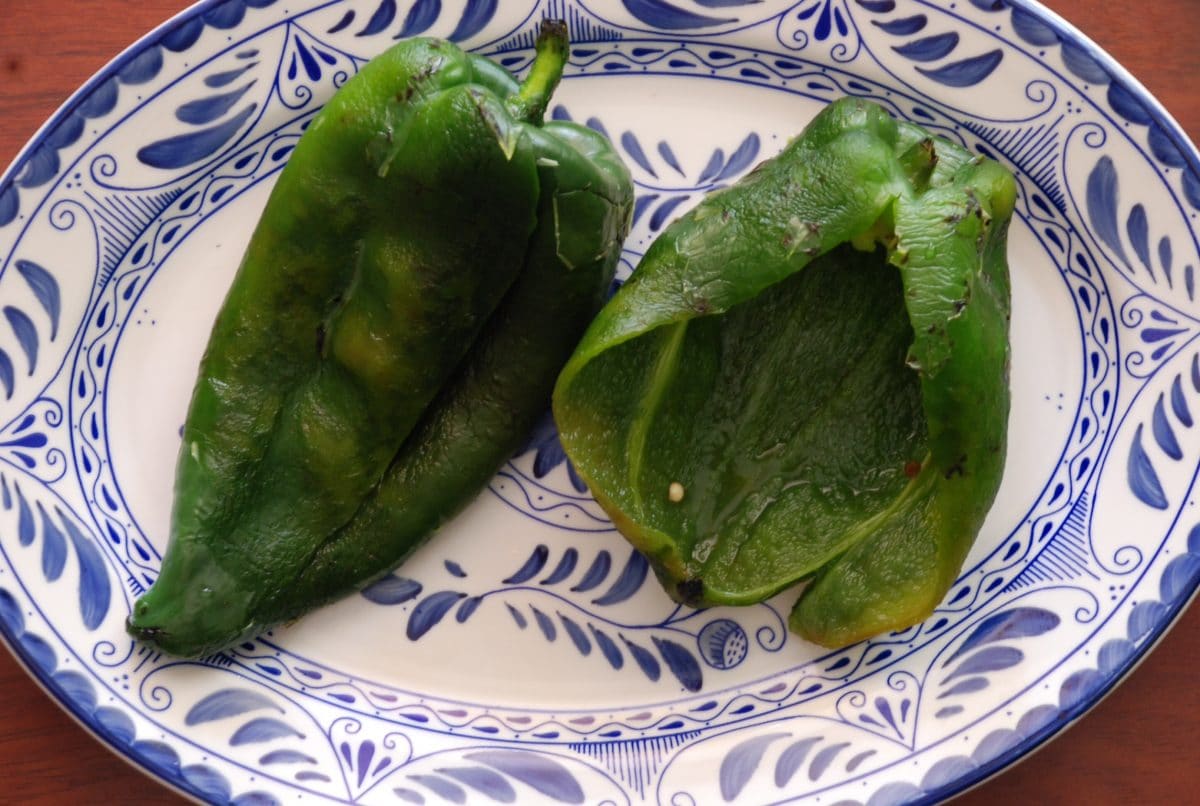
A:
1135, 747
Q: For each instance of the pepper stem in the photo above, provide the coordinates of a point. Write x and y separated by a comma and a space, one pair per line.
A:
552, 50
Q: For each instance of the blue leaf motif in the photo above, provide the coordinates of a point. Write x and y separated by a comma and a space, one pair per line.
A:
228, 702
392, 590
664, 210
532, 566
549, 455
539, 772
311, 68
739, 764
263, 729
95, 589
824, 758
577, 635
467, 608
482, 780
26, 530
661, 14
628, 583
206, 110
992, 659
7, 374
596, 572
26, 333
644, 659
476, 15
641, 204
1137, 226
1019, 622
905, 26
185, 149
681, 662
226, 77
517, 617
967, 72
792, 759
544, 624
430, 611
633, 148
444, 789
664, 151
1141, 476
382, 18
286, 757
564, 568
343, 23
54, 547
1163, 433
608, 648
713, 167
929, 48
968, 686
45, 289
1179, 403
423, 14
1102, 198
741, 158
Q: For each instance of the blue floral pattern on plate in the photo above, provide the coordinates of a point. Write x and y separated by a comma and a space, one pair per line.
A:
525, 655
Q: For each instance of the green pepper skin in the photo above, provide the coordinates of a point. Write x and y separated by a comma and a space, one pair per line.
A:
396, 260
872, 255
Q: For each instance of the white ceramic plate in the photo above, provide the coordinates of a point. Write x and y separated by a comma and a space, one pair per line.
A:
524, 656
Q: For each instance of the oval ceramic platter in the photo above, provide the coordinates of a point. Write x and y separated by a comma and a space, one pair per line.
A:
525, 655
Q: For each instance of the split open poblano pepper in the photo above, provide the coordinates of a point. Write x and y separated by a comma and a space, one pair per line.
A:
424, 266
806, 378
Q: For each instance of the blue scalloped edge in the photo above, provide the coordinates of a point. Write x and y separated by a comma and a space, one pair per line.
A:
76, 694
1148, 623
38, 161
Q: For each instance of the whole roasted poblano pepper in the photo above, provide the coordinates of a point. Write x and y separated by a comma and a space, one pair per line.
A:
806, 378
422, 270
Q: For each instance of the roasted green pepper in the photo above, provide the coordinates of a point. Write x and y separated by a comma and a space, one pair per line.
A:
424, 266
806, 378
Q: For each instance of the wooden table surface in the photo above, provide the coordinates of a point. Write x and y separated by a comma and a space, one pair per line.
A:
1135, 747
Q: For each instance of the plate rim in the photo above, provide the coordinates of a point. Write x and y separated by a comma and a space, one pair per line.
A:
981, 774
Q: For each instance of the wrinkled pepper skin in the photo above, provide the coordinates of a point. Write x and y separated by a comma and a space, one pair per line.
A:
376, 360
806, 379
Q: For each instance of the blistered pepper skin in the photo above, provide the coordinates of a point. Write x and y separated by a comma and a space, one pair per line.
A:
408, 224
806, 378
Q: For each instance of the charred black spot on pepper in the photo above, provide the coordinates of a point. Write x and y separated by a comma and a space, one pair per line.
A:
690, 590
958, 468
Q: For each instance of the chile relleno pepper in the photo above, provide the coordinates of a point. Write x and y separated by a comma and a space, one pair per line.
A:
423, 268
806, 378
